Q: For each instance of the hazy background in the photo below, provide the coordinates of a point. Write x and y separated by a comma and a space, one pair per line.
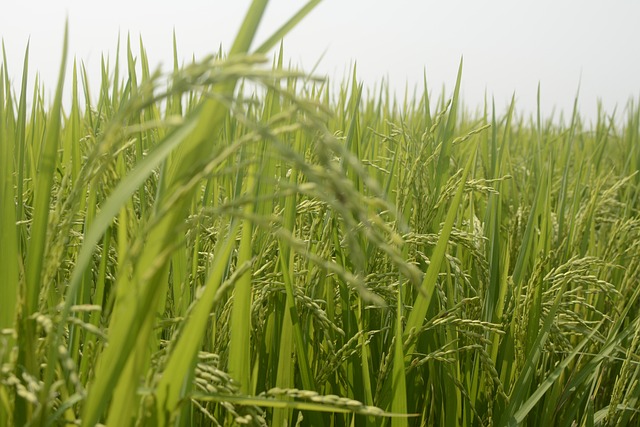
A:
508, 46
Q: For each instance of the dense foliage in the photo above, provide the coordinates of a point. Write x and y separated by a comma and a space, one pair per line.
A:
240, 243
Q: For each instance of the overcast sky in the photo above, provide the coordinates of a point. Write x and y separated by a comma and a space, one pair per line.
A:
508, 45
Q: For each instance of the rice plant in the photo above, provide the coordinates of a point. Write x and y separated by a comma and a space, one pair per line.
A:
237, 242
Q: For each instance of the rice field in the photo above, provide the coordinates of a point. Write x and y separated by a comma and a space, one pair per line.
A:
234, 242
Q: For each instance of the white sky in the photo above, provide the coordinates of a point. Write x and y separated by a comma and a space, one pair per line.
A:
508, 45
